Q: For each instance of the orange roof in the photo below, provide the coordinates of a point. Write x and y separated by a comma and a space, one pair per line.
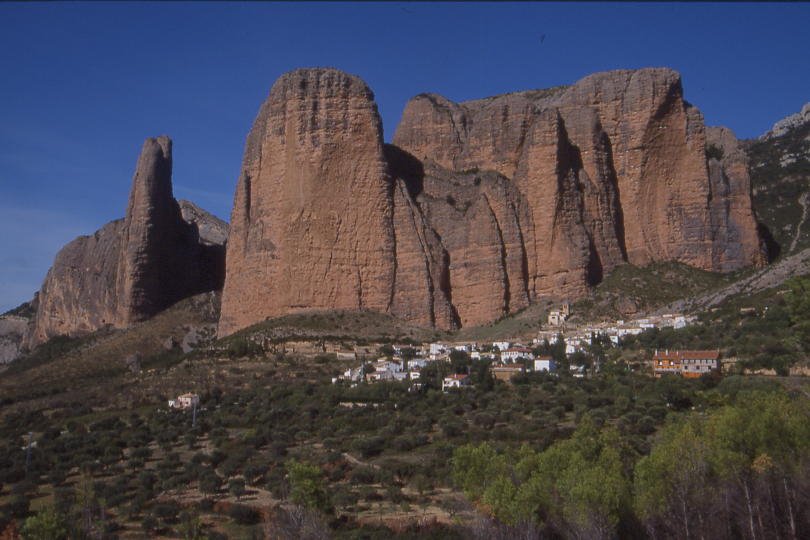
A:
700, 355
678, 355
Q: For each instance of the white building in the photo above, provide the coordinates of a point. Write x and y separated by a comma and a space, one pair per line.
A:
513, 353
556, 318
437, 348
545, 363
387, 365
501, 345
455, 381
417, 363
185, 401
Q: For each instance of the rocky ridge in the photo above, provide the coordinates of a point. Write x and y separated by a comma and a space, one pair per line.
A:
478, 208
788, 123
132, 268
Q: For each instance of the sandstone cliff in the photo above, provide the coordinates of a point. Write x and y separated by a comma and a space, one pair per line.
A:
131, 269
730, 202
612, 168
478, 208
313, 221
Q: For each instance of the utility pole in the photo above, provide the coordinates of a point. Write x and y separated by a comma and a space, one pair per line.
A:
28, 452
194, 415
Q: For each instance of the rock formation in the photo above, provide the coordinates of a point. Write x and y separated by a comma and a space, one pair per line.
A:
313, 218
613, 170
788, 123
133, 268
478, 208
12, 332
730, 202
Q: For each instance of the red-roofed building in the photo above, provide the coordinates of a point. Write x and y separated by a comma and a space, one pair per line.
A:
687, 363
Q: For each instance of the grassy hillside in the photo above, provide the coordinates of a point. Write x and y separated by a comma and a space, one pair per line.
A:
631, 290
338, 325
83, 369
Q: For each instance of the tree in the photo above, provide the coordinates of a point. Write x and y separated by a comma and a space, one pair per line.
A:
672, 482
190, 525
210, 482
459, 361
149, 524
47, 524
307, 486
475, 466
798, 303
236, 487
579, 484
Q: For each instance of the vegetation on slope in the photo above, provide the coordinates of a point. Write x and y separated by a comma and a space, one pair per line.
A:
780, 181
736, 471
767, 330
630, 290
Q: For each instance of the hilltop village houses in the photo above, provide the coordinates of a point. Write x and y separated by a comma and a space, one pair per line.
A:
511, 358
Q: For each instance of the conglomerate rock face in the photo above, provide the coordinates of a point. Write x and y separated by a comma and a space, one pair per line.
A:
478, 208
313, 222
731, 204
612, 168
135, 267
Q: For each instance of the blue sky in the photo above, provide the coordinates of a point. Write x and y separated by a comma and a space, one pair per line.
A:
84, 84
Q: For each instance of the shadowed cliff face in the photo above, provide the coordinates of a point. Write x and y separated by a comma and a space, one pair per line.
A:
478, 208
133, 268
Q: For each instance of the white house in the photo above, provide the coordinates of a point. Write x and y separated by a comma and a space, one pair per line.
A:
577, 371
388, 365
185, 401
501, 345
545, 363
417, 363
437, 348
513, 353
457, 380
556, 318
354, 374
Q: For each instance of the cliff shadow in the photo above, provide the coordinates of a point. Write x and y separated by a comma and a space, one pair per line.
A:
613, 180
772, 248
406, 166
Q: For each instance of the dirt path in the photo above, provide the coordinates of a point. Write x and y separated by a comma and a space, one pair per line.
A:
804, 200
354, 461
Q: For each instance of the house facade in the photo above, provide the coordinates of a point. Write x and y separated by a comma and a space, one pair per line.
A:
687, 363
545, 363
457, 380
513, 353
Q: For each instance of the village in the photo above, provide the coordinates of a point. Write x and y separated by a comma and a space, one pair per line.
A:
510, 358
